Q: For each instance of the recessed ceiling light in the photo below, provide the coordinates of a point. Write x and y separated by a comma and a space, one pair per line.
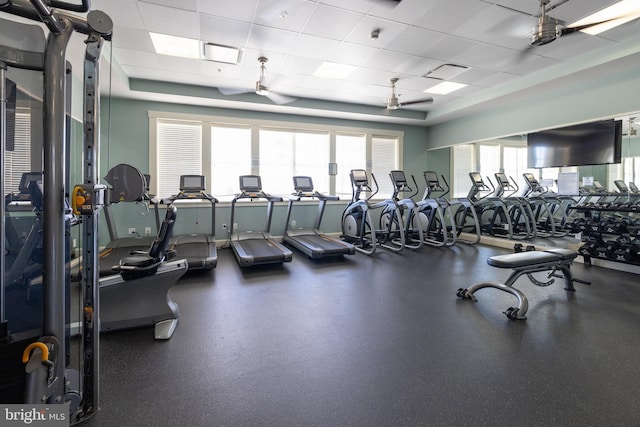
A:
331, 70
175, 46
220, 53
444, 88
616, 14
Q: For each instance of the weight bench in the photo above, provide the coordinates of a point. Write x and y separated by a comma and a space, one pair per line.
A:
527, 263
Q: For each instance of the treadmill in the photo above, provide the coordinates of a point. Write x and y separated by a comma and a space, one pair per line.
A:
256, 247
198, 249
311, 241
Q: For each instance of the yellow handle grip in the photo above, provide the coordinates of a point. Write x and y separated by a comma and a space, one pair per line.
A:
26, 354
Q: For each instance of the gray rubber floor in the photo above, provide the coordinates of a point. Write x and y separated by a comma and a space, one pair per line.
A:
380, 341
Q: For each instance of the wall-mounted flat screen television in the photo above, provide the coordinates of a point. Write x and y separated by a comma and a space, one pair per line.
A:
593, 143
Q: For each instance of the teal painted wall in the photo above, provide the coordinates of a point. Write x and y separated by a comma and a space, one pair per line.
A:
583, 100
125, 139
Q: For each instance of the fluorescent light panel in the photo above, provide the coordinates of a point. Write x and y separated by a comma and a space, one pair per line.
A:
331, 70
175, 46
220, 53
444, 88
627, 10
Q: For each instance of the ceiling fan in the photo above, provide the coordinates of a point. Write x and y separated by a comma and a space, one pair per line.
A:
393, 103
262, 88
549, 29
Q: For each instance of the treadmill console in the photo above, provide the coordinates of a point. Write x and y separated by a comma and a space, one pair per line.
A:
303, 184
250, 184
192, 183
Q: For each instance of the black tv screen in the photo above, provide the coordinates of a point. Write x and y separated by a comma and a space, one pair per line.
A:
593, 143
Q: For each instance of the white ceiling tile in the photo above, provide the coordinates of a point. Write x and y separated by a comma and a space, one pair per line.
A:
332, 22
123, 13
273, 39
490, 80
131, 38
407, 11
270, 13
487, 56
240, 10
135, 58
361, 34
314, 47
166, 20
447, 15
414, 40
301, 65
182, 4
449, 47
223, 31
351, 54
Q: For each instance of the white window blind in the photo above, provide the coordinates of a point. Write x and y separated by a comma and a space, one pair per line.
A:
179, 153
18, 161
384, 160
463, 163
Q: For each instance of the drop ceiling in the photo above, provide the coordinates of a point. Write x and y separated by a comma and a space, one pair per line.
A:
297, 36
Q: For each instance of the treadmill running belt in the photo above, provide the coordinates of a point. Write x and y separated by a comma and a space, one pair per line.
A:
260, 251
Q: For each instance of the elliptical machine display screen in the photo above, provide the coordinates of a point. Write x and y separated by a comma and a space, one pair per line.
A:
359, 176
431, 177
398, 177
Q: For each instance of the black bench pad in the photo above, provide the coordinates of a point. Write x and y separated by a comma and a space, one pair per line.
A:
531, 258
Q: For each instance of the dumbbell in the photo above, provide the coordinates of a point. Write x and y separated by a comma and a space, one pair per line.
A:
589, 247
627, 252
607, 249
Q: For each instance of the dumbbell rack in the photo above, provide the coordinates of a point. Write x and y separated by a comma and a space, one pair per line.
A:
609, 232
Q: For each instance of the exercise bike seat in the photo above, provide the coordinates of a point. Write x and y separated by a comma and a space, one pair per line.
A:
531, 258
143, 264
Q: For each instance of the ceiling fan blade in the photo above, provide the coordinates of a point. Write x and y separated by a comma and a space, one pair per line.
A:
232, 90
280, 99
570, 30
419, 101
387, 3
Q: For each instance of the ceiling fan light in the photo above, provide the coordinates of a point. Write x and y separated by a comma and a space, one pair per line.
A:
261, 89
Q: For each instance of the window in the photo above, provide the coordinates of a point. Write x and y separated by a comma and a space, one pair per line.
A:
490, 161
18, 161
464, 162
350, 154
230, 158
284, 154
222, 149
384, 160
179, 153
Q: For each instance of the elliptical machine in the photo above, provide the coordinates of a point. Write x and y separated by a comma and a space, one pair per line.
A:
357, 225
435, 214
409, 210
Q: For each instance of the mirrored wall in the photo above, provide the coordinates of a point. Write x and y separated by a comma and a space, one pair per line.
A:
510, 156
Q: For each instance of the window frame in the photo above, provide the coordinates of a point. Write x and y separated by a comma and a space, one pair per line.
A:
207, 121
